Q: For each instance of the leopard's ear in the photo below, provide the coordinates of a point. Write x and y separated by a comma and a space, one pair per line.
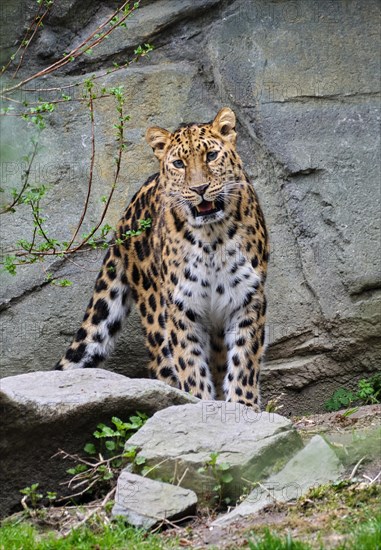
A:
224, 124
157, 138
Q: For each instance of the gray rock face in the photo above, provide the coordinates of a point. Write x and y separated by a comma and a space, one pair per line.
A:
45, 411
314, 465
179, 441
303, 79
144, 502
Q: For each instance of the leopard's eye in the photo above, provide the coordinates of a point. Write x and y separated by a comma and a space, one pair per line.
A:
211, 155
178, 163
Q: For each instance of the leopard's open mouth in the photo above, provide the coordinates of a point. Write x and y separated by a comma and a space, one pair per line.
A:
207, 208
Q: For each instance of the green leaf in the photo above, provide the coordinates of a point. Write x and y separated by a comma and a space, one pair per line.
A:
213, 459
64, 282
130, 452
226, 478
79, 468
118, 423
90, 449
105, 431
110, 445
350, 411
10, 265
139, 460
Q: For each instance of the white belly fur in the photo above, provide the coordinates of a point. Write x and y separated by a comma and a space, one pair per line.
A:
215, 308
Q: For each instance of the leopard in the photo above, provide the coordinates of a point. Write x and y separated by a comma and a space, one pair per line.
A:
196, 273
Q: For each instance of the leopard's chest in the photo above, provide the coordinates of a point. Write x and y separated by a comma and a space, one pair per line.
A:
215, 281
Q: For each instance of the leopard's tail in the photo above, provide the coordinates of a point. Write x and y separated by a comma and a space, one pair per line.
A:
109, 305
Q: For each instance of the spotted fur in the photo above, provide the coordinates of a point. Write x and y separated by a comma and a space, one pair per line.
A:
196, 275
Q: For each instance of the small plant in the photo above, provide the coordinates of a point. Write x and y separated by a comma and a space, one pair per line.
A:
350, 411
370, 390
219, 471
113, 439
368, 393
93, 475
273, 405
106, 456
33, 497
340, 399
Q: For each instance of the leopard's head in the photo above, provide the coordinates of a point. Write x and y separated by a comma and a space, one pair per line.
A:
199, 167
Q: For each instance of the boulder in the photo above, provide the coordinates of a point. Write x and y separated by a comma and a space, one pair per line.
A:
178, 442
144, 502
43, 412
314, 465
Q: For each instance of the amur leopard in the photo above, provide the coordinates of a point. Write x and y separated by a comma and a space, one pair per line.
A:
196, 275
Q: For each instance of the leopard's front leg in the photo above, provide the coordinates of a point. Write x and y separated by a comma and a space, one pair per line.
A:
244, 337
190, 350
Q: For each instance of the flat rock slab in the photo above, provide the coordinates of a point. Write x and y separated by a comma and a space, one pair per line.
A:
59, 393
179, 441
314, 465
42, 412
145, 502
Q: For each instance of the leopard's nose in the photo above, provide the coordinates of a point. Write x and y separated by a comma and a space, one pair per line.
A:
200, 189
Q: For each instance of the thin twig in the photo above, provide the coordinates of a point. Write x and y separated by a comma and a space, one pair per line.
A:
182, 477
36, 217
173, 523
38, 21
154, 467
91, 464
53, 101
73, 457
90, 181
269, 492
356, 468
80, 493
375, 479
101, 74
116, 176
94, 511
370, 479
80, 49
26, 179
22, 41
24, 504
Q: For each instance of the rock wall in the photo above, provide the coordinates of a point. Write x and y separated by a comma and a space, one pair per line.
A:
303, 79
